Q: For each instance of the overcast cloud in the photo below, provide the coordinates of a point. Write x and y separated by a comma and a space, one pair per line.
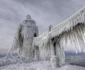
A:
44, 12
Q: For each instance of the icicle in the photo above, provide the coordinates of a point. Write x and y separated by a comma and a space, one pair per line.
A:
83, 34
68, 41
63, 42
77, 42
79, 37
74, 42
71, 41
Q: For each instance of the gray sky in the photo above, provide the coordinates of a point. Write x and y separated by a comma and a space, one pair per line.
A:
44, 12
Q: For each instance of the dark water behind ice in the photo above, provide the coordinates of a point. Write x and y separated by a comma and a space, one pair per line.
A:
74, 54
75, 59
66, 53
2, 55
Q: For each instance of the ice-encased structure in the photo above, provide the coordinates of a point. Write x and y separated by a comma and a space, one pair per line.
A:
24, 39
50, 45
50, 49
70, 33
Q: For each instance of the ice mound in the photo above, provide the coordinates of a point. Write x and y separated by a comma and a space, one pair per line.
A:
7, 61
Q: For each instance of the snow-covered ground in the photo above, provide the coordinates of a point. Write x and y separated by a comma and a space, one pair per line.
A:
78, 63
39, 66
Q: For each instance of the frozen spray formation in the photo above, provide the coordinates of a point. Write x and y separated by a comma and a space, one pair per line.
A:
50, 45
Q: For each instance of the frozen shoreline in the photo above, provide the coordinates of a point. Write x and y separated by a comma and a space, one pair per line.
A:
45, 65
17, 64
